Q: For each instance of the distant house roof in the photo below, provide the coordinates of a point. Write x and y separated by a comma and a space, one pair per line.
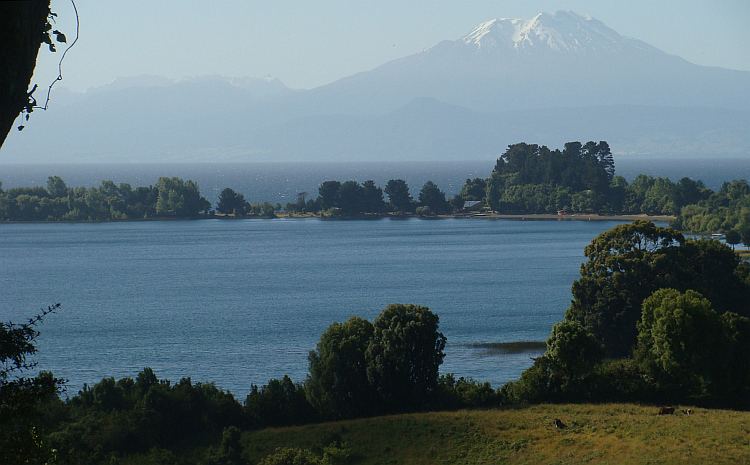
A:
471, 203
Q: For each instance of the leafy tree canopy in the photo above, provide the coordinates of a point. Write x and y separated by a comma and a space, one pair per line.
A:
573, 351
404, 356
629, 262
389, 366
431, 196
230, 202
338, 385
21, 397
329, 194
682, 334
578, 166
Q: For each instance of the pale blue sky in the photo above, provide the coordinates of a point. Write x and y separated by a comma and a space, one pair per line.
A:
307, 43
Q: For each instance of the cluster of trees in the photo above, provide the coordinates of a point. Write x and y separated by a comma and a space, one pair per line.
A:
352, 199
115, 418
726, 211
389, 366
233, 203
668, 314
578, 166
527, 179
581, 178
169, 198
656, 196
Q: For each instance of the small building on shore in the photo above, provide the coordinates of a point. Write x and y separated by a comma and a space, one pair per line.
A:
472, 205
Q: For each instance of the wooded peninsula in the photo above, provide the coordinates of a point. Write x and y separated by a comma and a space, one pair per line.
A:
527, 179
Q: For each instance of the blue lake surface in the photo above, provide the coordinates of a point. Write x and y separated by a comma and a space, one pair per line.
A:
238, 302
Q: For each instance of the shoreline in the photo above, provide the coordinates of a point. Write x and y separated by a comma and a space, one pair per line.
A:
490, 216
571, 216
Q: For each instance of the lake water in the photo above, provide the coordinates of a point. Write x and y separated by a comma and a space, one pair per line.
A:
238, 302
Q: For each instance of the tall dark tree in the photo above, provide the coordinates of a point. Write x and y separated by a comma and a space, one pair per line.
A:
338, 386
745, 235
24, 27
404, 357
56, 187
599, 165
329, 194
431, 196
301, 201
373, 198
231, 202
521, 160
398, 195
351, 198
733, 237
689, 192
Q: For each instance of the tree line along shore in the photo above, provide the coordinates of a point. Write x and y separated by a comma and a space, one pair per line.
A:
578, 181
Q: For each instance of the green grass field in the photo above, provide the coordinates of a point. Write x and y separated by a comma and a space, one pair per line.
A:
608, 433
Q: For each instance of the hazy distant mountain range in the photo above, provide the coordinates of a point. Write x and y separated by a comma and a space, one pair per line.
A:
551, 79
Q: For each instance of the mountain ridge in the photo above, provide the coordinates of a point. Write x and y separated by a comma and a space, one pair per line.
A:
550, 70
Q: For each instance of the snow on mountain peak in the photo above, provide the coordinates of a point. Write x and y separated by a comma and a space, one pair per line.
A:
561, 31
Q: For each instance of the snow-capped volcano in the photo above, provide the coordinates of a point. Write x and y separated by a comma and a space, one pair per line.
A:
561, 31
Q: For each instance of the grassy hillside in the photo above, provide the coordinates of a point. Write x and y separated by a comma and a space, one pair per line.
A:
610, 433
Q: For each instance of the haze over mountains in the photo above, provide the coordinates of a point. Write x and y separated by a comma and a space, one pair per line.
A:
551, 79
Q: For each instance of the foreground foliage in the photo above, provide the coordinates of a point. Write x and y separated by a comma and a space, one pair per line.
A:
22, 398
631, 261
359, 369
671, 314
